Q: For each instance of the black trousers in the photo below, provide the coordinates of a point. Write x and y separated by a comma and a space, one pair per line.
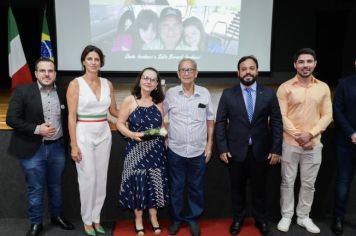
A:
256, 172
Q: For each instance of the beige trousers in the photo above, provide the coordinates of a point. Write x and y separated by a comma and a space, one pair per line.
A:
309, 164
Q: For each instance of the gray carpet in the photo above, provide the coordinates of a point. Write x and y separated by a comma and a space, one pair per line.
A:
19, 227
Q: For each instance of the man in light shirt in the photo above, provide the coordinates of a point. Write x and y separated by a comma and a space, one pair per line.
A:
190, 141
306, 109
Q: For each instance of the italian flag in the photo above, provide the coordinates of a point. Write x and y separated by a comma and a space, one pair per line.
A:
18, 67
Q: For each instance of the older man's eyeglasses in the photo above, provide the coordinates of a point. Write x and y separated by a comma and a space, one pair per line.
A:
186, 70
149, 79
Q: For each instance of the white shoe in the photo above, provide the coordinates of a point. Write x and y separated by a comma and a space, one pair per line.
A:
308, 224
284, 224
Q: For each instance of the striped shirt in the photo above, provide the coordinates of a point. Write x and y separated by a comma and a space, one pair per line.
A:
188, 116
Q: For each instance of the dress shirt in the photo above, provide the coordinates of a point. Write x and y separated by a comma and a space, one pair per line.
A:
51, 111
188, 116
304, 109
253, 92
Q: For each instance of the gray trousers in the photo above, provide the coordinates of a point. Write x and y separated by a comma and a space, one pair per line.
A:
309, 164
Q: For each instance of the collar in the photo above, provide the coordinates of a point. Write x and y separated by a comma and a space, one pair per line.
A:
295, 80
253, 86
41, 87
197, 91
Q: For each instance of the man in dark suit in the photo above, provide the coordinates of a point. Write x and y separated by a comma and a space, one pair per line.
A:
37, 113
345, 121
249, 134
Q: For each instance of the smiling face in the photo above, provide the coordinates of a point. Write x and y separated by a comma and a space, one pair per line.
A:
171, 30
148, 35
247, 72
187, 72
305, 65
92, 62
148, 80
45, 74
192, 36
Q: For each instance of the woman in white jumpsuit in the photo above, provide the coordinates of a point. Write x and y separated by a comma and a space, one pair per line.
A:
90, 98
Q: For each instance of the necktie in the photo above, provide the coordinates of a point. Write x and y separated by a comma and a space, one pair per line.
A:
249, 103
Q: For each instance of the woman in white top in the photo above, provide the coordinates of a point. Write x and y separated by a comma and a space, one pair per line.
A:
90, 98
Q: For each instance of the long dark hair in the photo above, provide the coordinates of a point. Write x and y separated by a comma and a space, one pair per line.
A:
157, 94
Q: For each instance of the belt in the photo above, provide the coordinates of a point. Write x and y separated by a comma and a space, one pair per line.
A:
92, 118
48, 142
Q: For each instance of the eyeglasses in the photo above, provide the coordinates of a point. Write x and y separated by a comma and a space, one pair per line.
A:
189, 70
148, 79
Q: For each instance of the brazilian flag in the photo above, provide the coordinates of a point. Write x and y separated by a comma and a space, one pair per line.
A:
46, 45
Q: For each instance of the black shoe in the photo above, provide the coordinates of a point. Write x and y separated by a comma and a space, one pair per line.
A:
62, 222
194, 228
263, 227
156, 229
338, 226
174, 228
34, 230
139, 231
236, 227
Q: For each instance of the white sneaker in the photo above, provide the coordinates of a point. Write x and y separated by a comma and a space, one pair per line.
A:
284, 224
308, 224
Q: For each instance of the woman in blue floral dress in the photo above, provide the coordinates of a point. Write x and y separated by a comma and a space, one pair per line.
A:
144, 182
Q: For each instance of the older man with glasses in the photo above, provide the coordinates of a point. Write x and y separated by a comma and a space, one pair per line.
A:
190, 141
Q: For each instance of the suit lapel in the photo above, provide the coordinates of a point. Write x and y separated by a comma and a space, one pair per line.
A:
36, 99
241, 102
259, 101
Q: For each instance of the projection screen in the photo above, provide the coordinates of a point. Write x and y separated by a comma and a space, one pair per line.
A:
134, 34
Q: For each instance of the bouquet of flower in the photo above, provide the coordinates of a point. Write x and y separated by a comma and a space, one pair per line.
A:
152, 133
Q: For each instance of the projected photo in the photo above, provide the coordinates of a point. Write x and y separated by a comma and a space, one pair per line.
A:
134, 34
139, 28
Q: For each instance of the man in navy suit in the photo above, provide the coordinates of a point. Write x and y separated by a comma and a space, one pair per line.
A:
37, 113
345, 121
249, 135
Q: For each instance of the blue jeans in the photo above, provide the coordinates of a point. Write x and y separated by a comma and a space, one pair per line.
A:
346, 162
45, 166
190, 171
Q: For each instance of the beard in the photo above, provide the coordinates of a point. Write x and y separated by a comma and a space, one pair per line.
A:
248, 81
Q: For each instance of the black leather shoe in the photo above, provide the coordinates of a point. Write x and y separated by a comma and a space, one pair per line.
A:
62, 222
174, 228
194, 228
236, 227
263, 227
338, 226
34, 230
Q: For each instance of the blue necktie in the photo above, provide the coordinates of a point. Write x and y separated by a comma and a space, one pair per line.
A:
249, 103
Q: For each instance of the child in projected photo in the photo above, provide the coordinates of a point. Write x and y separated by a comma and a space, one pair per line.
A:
195, 38
145, 29
124, 40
